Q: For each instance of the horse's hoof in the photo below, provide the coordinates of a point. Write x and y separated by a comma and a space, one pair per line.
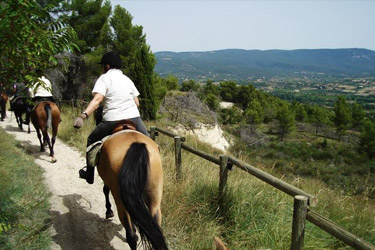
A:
53, 160
109, 214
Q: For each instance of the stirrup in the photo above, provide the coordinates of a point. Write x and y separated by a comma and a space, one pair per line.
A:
83, 174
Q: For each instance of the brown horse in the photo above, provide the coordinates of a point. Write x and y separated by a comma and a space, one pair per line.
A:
130, 166
3, 103
44, 116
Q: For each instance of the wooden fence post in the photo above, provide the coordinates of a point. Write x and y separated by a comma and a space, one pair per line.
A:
152, 132
223, 174
299, 221
177, 147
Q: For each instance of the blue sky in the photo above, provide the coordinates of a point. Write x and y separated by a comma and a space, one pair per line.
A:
197, 25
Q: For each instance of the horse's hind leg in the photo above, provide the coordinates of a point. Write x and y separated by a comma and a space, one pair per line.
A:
131, 237
109, 212
40, 140
155, 212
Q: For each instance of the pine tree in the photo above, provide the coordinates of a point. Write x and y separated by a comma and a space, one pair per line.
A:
358, 116
254, 113
367, 139
342, 118
285, 117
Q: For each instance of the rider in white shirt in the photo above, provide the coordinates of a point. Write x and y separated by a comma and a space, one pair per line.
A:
120, 97
43, 90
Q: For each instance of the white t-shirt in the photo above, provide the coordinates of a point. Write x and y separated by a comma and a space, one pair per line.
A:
43, 89
119, 92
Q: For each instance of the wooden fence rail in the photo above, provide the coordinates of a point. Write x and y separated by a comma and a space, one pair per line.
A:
302, 200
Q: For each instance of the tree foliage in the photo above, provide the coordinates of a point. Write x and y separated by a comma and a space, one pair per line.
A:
367, 139
254, 113
358, 116
229, 91
286, 120
189, 85
342, 116
30, 38
90, 20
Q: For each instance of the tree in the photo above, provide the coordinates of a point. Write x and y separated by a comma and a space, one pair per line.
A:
143, 79
245, 95
210, 88
286, 120
231, 115
319, 118
254, 113
358, 116
300, 111
228, 91
171, 82
89, 18
342, 116
212, 101
30, 38
160, 90
367, 139
189, 85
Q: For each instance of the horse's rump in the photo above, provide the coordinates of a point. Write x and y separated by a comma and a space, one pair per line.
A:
130, 165
45, 113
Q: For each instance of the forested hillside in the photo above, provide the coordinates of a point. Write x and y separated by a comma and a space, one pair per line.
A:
245, 65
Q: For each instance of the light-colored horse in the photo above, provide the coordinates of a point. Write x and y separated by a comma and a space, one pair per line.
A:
130, 166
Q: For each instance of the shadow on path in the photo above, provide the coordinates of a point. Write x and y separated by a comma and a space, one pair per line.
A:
80, 229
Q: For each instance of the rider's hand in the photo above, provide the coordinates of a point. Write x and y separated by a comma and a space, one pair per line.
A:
79, 121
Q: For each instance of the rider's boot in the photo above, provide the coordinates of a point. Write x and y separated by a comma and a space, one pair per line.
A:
88, 175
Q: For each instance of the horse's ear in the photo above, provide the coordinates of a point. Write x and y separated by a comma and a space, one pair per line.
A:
220, 244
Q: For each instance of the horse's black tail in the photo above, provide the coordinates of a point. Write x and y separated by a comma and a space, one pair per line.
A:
132, 180
47, 108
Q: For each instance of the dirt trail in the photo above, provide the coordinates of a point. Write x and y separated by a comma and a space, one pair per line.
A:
77, 208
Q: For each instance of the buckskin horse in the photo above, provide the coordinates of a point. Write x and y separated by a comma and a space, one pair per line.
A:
130, 166
46, 115
19, 107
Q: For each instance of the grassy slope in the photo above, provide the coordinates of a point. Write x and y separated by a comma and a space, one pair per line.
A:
24, 199
254, 214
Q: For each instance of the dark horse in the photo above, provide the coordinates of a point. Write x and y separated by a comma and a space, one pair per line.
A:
46, 115
19, 107
3, 103
130, 166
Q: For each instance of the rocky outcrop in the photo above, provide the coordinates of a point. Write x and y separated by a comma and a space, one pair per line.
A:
210, 134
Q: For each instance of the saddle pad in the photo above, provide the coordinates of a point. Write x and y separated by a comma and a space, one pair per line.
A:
93, 150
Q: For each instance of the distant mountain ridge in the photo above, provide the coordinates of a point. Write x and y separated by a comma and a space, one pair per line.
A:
244, 65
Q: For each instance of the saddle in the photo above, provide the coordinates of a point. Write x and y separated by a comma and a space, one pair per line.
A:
123, 125
93, 150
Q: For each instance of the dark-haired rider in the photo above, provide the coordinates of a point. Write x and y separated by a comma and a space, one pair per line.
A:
121, 102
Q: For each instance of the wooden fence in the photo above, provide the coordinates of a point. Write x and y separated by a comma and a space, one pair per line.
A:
303, 202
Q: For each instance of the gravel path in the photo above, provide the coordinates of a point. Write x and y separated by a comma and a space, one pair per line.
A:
77, 208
